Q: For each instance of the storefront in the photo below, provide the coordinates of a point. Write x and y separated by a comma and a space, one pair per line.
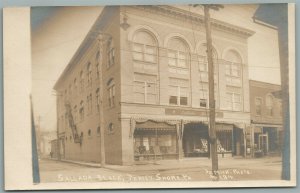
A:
196, 140
267, 140
155, 140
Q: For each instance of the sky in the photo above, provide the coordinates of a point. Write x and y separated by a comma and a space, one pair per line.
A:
58, 31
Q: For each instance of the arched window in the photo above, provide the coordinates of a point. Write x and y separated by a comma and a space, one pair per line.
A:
110, 128
98, 131
178, 61
178, 53
144, 47
75, 114
111, 93
203, 74
98, 100
81, 81
233, 74
97, 70
89, 132
110, 53
89, 74
81, 111
270, 104
75, 86
233, 70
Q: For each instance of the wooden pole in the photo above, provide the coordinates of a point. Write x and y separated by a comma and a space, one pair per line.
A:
212, 124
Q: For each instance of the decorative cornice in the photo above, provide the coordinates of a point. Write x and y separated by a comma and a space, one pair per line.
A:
182, 14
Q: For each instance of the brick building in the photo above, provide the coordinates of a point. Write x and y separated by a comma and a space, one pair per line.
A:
266, 118
139, 83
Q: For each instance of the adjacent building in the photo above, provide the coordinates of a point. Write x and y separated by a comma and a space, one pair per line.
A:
265, 134
138, 88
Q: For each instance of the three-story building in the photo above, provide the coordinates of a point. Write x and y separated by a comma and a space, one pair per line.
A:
140, 78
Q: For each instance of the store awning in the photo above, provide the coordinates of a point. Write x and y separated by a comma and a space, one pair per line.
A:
224, 127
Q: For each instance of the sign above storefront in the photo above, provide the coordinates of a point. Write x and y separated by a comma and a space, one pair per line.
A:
201, 113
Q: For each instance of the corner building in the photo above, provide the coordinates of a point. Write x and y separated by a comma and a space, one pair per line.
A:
148, 65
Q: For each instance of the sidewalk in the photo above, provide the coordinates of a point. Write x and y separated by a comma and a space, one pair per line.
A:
185, 163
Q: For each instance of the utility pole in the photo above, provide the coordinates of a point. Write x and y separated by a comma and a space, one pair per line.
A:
211, 94
211, 89
102, 38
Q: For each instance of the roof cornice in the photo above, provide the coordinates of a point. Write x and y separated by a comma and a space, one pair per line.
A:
184, 14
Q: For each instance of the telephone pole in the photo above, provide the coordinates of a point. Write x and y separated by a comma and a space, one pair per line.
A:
211, 94
211, 89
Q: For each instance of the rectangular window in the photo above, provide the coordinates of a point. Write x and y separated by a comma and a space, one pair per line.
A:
178, 93
233, 101
111, 99
258, 103
183, 101
203, 102
233, 74
145, 90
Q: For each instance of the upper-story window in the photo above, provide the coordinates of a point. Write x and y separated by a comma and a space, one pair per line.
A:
258, 104
233, 71
98, 100
89, 104
81, 111
111, 93
89, 74
270, 105
178, 54
144, 47
75, 114
233, 98
97, 70
110, 53
81, 81
75, 86
97, 59
203, 63
145, 90
178, 91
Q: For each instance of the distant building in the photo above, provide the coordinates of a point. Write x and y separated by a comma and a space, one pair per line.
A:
54, 149
44, 139
266, 130
153, 66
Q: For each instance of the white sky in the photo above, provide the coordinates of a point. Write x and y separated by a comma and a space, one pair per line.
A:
55, 40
